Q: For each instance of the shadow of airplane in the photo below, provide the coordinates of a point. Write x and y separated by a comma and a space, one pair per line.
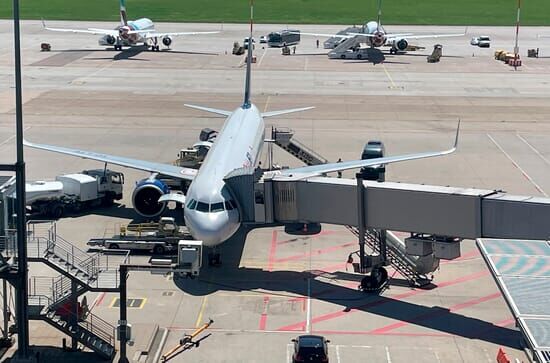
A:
47, 354
231, 277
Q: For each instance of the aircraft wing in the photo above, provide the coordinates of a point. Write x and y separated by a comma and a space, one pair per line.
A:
95, 31
165, 169
315, 170
149, 35
392, 37
348, 35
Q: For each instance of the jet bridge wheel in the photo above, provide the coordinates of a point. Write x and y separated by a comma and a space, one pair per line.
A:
375, 281
214, 259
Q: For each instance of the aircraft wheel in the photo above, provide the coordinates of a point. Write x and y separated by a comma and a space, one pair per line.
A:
214, 259
158, 250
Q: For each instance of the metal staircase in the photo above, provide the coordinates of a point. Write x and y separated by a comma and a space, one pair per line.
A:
52, 299
284, 139
405, 265
88, 329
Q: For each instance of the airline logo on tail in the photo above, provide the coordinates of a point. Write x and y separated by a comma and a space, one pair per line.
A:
123, 17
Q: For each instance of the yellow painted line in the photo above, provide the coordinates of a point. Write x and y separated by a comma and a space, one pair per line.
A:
201, 312
142, 304
393, 85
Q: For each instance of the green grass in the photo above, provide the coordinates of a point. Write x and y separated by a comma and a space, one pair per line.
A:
444, 12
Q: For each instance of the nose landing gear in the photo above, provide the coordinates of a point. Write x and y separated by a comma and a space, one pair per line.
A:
214, 259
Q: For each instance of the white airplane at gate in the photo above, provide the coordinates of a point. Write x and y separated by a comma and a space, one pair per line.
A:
210, 213
376, 36
130, 33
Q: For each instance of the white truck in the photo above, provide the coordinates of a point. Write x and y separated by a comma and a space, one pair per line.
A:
74, 192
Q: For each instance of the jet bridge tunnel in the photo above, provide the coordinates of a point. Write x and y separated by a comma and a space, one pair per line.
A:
442, 211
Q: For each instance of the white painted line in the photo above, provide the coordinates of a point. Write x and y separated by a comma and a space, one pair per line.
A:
533, 148
13, 136
437, 356
518, 167
161, 345
338, 354
308, 308
289, 352
262, 57
388, 356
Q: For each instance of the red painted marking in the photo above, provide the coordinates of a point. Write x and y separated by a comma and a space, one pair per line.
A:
270, 262
98, 300
337, 314
316, 252
350, 332
427, 316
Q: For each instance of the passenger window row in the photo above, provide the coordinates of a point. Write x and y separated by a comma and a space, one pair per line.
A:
214, 207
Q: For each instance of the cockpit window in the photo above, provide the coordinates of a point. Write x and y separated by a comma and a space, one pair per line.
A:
202, 207
228, 205
216, 207
192, 204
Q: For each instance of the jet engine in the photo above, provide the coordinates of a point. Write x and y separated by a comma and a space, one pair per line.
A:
110, 39
400, 44
378, 39
167, 41
146, 195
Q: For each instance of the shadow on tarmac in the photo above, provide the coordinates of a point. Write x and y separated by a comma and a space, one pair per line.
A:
231, 277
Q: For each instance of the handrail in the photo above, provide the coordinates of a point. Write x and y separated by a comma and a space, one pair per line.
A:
92, 323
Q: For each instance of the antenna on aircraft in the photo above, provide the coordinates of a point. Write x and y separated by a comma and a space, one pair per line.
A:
246, 103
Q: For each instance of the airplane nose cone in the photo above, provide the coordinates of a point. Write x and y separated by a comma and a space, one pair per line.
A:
211, 228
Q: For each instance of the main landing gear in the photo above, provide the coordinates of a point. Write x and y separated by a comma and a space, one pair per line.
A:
155, 47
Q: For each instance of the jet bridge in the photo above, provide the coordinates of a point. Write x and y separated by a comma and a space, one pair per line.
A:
437, 217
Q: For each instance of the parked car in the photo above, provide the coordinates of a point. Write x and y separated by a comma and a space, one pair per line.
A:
263, 39
310, 349
484, 39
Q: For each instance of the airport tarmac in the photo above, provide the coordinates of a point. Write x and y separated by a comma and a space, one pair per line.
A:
130, 103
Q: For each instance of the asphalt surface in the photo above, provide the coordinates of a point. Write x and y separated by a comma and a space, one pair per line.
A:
273, 287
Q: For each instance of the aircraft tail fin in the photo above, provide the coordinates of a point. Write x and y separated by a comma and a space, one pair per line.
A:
379, 17
123, 16
246, 103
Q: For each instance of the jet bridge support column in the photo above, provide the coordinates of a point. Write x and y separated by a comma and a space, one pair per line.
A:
361, 220
123, 322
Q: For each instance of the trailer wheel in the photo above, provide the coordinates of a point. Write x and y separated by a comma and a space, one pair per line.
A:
359, 56
56, 211
113, 246
158, 250
343, 56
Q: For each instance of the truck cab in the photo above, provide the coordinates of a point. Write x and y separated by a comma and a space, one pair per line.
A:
109, 182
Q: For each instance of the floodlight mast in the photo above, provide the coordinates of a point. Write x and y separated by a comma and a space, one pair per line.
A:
21, 235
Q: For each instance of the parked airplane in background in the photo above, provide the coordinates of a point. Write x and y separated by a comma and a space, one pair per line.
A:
376, 36
210, 213
130, 33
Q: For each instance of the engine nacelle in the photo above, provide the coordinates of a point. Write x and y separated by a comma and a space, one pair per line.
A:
379, 39
146, 195
110, 39
167, 41
400, 44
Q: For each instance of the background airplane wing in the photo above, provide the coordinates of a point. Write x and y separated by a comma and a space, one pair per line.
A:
95, 31
149, 35
315, 170
349, 35
396, 36
165, 169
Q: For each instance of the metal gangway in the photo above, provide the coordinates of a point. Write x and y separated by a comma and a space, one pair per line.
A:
284, 138
333, 42
54, 300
